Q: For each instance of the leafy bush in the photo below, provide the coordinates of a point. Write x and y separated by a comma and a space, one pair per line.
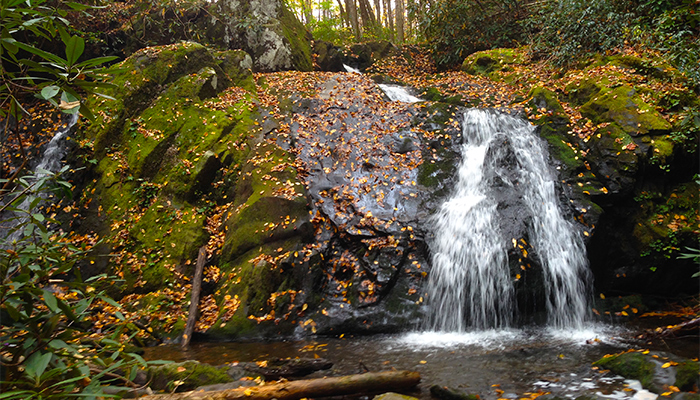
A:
456, 28
672, 27
570, 30
49, 347
566, 31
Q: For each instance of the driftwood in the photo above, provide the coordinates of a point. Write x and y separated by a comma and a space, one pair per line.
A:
286, 368
194, 300
672, 331
371, 382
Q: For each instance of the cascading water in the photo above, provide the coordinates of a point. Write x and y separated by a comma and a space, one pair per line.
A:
50, 163
471, 286
393, 92
399, 93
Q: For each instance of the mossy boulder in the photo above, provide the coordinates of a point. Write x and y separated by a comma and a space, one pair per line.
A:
614, 158
237, 65
632, 365
393, 396
623, 106
487, 61
581, 92
656, 371
363, 55
185, 376
265, 29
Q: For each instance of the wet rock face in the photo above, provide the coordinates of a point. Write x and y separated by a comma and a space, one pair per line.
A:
372, 214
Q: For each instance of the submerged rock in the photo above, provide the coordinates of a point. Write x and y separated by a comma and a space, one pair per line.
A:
657, 372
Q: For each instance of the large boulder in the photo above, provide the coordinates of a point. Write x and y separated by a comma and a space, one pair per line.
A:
266, 29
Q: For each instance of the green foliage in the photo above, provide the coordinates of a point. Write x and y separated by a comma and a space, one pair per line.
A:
692, 254
456, 28
51, 77
49, 350
673, 27
687, 131
567, 31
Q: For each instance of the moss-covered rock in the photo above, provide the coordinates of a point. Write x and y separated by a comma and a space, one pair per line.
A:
688, 376
581, 92
656, 371
393, 396
632, 365
487, 61
626, 108
185, 376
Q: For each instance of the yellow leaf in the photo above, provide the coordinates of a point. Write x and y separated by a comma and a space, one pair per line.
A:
248, 392
423, 362
666, 365
624, 313
602, 296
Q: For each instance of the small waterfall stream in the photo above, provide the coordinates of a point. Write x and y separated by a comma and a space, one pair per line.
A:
471, 286
393, 92
50, 162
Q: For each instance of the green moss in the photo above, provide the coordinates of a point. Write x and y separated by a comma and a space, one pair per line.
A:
188, 375
559, 149
487, 61
237, 65
687, 376
623, 106
261, 222
299, 39
581, 92
631, 365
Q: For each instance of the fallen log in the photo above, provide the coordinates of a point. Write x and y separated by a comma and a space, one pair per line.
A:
371, 382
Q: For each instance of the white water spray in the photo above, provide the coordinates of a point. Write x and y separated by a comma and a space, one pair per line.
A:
470, 285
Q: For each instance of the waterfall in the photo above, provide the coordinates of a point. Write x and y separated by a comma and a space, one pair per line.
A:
393, 92
471, 286
50, 162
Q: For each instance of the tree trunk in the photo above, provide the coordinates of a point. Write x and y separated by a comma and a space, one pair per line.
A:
389, 16
194, 301
371, 382
399, 22
378, 11
367, 16
343, 15
351, 8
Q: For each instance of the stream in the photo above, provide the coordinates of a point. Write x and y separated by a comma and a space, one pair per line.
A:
492, 363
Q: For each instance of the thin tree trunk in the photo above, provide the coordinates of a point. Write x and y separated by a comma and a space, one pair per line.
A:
389, 16
371, 382
378, 11
194, 301
343, 15
399, 22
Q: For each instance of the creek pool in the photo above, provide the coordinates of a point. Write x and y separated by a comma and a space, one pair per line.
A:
504, 364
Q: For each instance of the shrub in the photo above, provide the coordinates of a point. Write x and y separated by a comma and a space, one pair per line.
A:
456, 28
567, 31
